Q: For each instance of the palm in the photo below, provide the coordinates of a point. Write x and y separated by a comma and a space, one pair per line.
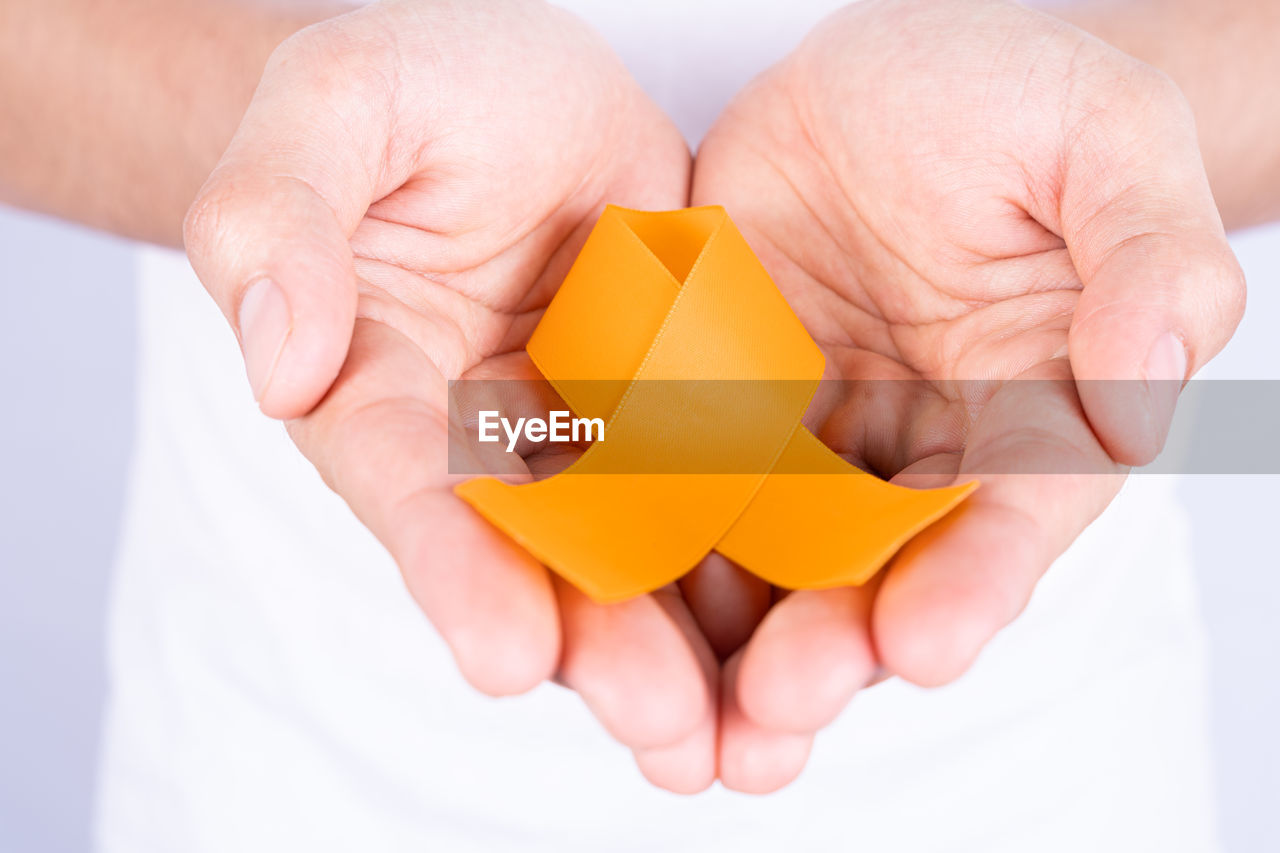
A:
935, 275
459, 292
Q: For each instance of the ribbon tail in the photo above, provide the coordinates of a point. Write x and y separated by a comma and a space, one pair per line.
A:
830, 524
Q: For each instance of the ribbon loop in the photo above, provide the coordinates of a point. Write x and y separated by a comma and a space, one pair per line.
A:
668, 327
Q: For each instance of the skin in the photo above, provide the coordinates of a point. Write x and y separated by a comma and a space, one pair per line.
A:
1219, 54
1054, 223
373, 182
115, 111
403, 238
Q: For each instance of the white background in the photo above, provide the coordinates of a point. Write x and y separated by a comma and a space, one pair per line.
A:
66, 353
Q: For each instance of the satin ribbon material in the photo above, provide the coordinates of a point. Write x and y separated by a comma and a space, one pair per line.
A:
680, 296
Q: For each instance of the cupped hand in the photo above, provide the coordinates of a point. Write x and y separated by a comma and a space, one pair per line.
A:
960, 196
407, 189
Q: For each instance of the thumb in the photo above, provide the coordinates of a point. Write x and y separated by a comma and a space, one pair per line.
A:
269, 232
1163, 292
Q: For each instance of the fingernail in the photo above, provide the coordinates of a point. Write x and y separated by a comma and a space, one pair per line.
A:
264, 327
1166, 369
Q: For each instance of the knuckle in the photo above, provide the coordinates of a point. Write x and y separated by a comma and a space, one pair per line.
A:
1235, 290
1164, 91
1162, 98
205, 219
331, 59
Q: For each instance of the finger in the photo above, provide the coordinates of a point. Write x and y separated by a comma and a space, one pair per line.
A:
269, 232
807, 659
380, 441
1162, 291
727, 602
1044, 477
634, 666
814, 651
688, 765
754, 759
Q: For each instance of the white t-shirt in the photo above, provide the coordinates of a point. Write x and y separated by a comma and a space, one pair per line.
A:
274, 688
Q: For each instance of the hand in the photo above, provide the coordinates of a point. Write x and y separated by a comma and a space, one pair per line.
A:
966, 191
405, 192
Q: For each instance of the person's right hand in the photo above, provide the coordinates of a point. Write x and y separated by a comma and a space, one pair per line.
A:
404, 194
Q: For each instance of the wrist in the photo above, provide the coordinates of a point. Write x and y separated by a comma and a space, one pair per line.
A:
208, 82
117, 111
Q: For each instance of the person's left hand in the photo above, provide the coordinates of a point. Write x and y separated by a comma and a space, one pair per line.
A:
954, 192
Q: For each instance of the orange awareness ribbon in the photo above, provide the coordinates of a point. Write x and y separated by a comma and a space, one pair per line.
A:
660, 315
